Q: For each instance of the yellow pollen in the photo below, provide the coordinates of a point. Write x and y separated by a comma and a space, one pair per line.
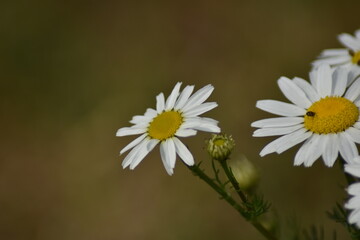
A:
331, 115
165, 125
219, 142
356, 58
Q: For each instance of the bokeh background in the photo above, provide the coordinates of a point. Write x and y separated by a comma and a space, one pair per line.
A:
73, 72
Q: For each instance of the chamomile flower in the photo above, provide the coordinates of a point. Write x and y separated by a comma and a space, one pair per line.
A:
178, 116
349, 56
353, 203
324, 114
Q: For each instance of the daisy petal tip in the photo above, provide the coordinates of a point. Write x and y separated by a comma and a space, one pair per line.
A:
191, 164
218, 130
264, 152
119, 133
125, 165
170, 171
296, 164
307, 164
329, 164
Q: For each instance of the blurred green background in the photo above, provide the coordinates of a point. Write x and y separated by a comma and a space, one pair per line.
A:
73, 72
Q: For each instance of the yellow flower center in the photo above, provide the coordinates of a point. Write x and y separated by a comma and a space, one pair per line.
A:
165, 125
331, 115
355, 57
219, 142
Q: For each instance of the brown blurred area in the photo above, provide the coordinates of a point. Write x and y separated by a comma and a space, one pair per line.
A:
73, 72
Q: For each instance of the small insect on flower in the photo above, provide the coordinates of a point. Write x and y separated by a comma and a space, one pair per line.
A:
178, 116
310, 114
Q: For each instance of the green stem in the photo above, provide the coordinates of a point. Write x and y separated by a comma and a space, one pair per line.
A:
233, 181
216, 172
244, 199
198, 172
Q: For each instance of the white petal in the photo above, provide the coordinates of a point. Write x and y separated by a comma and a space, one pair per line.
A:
313, 78
354, 203
354, 217
354, 133
168, 169
353, 169
141, 154
333, 61
300, 156
199, 97
184, 96
331, 149
170, 102
340, 82
293, 92
140, 119
285, 142
170, 153
354, 90
208, 128
354, 73
357, 124
296, 138
202, 124
277, 131
200, 109
334, 52
354, 189
151, 113
133, 143
125, 131
309, 90
347, 147
280, 108
141, 125
183, 152
356, 160
184, 132
315, 150
132, 154
324, 80
357, 103
209, 120
191, 122
160, 103
349, 41
357, 34
277, 122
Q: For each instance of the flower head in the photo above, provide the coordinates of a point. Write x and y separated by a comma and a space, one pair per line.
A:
348, 56
325, 113
220, 146
178, 116
353, 203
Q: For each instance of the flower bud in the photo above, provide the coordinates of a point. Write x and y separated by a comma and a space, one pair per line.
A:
244, 172
220, 146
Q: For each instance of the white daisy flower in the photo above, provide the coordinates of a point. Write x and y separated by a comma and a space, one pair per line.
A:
349, 56
325, 113
353, 203
178, 116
